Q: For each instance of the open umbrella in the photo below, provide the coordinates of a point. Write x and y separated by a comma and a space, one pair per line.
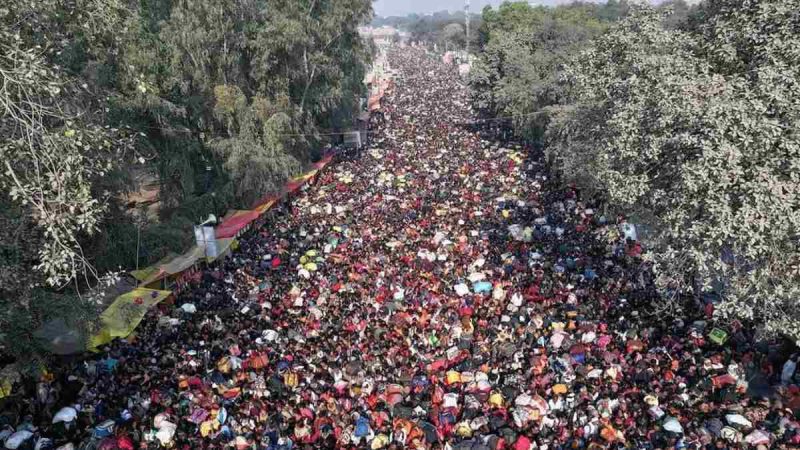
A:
66, 414
758, 437
738, 420
671, 424
16, 440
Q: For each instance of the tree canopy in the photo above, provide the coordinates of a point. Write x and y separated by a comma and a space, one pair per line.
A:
444, 29
695, 130
213, 102
684, 119
522, 50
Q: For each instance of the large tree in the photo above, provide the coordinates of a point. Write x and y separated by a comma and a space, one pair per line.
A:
213, 102
57, 156
695, 134
518, 66
267, 77
54, 146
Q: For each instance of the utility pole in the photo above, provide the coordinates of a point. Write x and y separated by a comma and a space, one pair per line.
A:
466, 20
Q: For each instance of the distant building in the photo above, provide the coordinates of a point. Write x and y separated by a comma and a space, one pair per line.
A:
385, 35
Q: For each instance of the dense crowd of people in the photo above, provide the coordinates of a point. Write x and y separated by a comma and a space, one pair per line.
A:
439, 292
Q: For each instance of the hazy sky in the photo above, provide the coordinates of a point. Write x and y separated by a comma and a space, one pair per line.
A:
403, 7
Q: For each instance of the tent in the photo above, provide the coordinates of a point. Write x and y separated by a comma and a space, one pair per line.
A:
125, 314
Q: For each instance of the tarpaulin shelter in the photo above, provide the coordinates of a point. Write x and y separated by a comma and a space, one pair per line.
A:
224, 246
170, 266
299, 181
269, 200
294, 185
67, 338
374, 103
175, 265
123, 316
319, 165
235, 222
150, 272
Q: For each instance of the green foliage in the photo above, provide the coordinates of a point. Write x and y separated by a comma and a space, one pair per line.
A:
683, 117
454, 35
260, 157
432, 29
303, 60
522, 49
212, 102
695, 133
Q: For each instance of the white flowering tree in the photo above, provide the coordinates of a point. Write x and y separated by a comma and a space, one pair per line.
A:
696, 133
53, 150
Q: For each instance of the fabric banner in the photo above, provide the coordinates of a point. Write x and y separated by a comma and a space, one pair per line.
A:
223, 247
183, 262
177, 264
264, 207
231, 225
319, 165
300, 180
374, 103
235, 221
124, 315
269, 200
